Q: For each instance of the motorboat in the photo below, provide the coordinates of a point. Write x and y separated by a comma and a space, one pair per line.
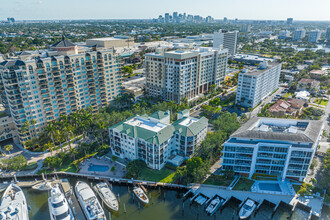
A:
107, 195
214, 204
247, 208
59, 207
141, 195
13, 204
88, 201
43, 186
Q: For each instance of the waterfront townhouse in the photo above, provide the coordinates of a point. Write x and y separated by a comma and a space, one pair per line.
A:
153, 139
281, 147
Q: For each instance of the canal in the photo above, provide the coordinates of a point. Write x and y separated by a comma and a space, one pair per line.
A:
164, 205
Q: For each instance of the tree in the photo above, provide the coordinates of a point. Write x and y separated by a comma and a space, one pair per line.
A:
134, 167
313, 181
8, 148
50, 147
50, 131
193, 164
314, 164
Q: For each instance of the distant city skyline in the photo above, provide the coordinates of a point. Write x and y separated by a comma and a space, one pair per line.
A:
145, 9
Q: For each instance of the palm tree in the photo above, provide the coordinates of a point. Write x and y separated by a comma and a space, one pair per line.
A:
73, 153
68, 132
50, 146
101, 126
50, 131
58, 137
33, 122
8, 148
25, 129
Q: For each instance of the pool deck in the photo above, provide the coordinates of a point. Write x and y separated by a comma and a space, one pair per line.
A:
119, 172
209, 191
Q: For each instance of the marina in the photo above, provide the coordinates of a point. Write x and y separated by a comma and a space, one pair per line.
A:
165, 201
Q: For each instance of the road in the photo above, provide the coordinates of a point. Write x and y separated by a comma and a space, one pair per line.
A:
268, 100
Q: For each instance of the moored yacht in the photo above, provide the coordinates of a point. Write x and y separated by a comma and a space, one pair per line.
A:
59, 207
107, 196
214, 204
88, 201
247, 208
13, 204
141, 195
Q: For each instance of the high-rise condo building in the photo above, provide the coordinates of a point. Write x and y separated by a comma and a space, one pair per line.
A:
273, 146
314, 36
226, 40
327, 34
289, 21
298, 34
254, 86
59, 81
154, 140
284, 34
179, 75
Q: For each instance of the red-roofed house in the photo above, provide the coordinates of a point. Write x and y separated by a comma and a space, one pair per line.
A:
310, 85
291, 107
317, 74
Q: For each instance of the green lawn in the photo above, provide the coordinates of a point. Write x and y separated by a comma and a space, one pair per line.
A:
31, 166
218, 180
288, 94
164, 175
244, 184
323, 102
68, 168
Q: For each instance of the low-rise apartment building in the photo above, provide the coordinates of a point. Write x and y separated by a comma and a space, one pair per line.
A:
281, 147
154, 140
254, 86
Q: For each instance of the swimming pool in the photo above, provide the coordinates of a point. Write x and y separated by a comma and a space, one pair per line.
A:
270, 187
98, 168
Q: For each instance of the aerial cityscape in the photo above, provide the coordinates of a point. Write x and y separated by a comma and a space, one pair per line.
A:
171, 111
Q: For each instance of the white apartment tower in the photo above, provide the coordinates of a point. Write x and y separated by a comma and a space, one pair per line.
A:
179, 75
254, 86
226, 40
61, 81
273, 146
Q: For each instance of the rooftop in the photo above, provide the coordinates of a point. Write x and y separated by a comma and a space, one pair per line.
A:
280, 129
260, 70
146, 124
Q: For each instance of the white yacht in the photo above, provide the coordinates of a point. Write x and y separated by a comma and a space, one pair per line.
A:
88, 201
43, 186
247, 208
141, 195
13, 204
107, 196
213, 205
59, 207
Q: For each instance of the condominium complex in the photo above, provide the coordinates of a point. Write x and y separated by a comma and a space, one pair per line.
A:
298, 34
226, 40
255, 85
41, 87
314, 36
7, 128
281, 147
179, 75
327, 34
289, 21
284, 34
155, 140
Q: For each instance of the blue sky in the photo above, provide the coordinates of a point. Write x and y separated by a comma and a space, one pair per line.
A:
121, 9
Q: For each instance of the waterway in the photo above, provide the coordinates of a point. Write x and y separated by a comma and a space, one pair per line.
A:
164, 205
